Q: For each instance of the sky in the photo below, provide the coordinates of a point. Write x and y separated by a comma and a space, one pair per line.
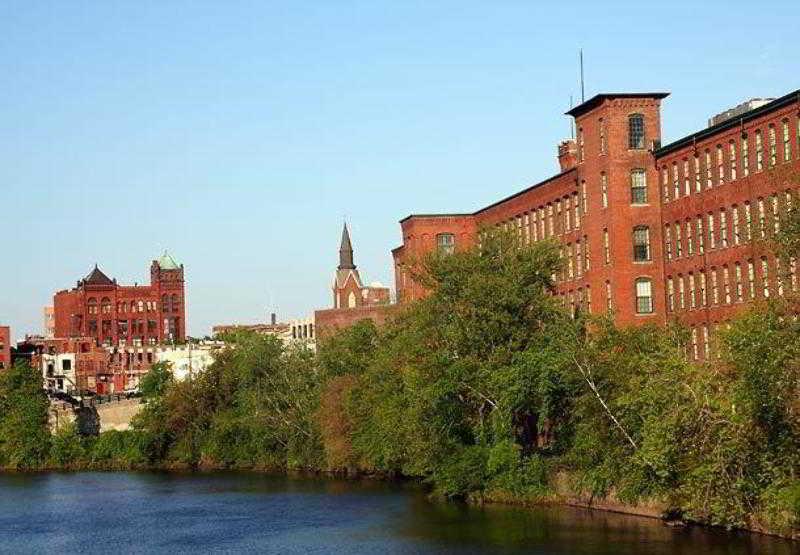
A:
240, 135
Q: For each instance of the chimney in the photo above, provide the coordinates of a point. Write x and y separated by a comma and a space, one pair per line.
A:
567, 154
273, 318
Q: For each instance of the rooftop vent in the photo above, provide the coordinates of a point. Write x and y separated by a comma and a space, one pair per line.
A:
736, 111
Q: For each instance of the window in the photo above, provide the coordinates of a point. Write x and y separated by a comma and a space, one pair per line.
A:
692, 292
644, 296
748, 221
751, 279
687, 188
550, 224
779, 277
714, 287
676, 187
580, 144
759, 151
638, 187
105, 305
762, 218
697, 181
723, 229
705, 342
91, 306
745, 157
720, 166
726, 284
586, 252
526, 226
584, 203
773, 147
606, 249
602, 136
776, 216
579, 258
712, 236
678, 240
709, 173
609, 304
670, 294
641, 244
703, 295
446, 243
735, 217
689, 238
668, 241
575, 209
765, 277
636, 131
700, 237
732, 159
695, 350
604, 189
164, 303
739, 286
535, 225
665, 183
681, 293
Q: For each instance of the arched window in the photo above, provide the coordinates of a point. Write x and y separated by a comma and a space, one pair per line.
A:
446, 243
638, 186
140, 307
174, 302
91, 305
351, 300
644, 296
641, 243
105, 305
636, 131
165, 303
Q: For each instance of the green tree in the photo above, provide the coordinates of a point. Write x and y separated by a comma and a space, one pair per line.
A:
24, 431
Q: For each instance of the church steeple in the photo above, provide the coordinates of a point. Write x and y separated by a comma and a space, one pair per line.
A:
346, 251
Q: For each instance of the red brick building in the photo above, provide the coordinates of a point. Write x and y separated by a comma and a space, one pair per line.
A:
5, 347
650, 232
352, 300
119, 315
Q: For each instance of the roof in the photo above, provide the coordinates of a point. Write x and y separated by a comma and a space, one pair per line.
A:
518, 193
166, 262
97, 277
785, 100
584, 107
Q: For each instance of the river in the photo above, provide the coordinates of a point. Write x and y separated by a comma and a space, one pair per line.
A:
128, 512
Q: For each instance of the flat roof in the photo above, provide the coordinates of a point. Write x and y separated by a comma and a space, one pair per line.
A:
785, 100
598, 98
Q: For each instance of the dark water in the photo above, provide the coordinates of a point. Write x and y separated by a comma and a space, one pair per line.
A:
231, 512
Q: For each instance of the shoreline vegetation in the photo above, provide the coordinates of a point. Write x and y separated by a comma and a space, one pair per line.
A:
486, 391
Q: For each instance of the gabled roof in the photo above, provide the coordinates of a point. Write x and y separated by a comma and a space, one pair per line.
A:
166, 262
97, 277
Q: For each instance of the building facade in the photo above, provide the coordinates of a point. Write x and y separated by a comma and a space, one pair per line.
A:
119, 315
5, 347
49, 322
646, 231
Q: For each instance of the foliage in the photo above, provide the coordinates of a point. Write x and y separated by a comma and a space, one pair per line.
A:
24, 432
156, 381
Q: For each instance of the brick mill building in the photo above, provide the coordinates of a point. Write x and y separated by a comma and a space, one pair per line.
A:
124, 315
647, 231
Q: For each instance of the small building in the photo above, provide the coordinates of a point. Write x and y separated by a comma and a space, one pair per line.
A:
5, 347
189, 359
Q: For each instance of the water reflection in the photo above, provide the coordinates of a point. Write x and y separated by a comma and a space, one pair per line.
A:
242, 512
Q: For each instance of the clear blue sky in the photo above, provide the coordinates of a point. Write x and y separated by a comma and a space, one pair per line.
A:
238, 134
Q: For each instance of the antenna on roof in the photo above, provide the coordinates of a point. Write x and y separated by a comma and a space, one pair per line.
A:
571, 121
583, 96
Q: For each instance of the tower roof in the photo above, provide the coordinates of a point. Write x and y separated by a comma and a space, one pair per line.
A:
346, 251
166, 262
97, 277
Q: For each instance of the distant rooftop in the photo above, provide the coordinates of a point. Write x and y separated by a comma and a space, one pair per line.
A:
166, 262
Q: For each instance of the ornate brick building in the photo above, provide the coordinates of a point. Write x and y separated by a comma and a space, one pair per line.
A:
647, 231
119, 315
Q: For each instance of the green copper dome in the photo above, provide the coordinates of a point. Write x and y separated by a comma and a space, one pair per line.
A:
166, 262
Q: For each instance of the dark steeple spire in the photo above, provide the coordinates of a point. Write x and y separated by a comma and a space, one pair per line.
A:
346, 251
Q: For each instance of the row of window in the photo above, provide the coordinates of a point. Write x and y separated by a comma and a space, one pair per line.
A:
725, 286
577, 259
729, 162
169, 303
727, 227
581, 300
